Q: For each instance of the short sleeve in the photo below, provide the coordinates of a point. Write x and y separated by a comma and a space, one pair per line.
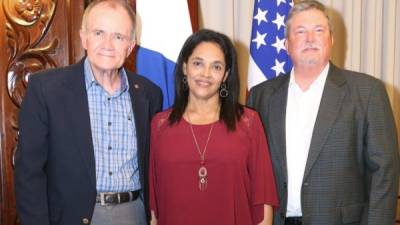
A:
262, 180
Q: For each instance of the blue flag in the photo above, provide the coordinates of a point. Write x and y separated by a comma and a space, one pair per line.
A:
163, 27
268, 57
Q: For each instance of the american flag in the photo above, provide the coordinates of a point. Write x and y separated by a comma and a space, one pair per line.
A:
268, 57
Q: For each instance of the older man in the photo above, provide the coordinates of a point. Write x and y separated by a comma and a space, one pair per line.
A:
331, 132
84, 131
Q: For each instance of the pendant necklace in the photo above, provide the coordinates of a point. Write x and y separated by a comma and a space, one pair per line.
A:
202, 172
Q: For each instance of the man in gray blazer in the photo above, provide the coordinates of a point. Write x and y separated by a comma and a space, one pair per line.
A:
331, 132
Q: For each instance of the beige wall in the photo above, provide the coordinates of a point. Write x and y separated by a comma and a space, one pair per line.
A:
233, 18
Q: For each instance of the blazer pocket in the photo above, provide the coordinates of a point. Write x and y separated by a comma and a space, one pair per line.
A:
352, 213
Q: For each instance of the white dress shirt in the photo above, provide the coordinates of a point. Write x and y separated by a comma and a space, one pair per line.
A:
301, 113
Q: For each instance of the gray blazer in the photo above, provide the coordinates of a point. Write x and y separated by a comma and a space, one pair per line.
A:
352, 170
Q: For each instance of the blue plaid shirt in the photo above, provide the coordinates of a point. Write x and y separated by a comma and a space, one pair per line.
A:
113, 135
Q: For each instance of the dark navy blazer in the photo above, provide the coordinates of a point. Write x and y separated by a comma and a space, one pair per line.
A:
55, 180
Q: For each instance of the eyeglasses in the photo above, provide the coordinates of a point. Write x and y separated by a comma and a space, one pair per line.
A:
101, 35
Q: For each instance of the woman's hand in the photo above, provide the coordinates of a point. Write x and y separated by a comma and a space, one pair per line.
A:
268, 214
153, 220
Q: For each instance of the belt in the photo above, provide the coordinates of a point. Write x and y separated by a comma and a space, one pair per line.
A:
293, 220
112, 198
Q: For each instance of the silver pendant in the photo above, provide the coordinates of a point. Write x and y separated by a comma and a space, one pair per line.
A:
202, 178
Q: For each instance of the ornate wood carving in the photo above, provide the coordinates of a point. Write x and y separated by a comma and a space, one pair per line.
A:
26, 24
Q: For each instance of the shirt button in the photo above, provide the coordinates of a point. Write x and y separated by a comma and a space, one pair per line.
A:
108, 99
109, 147
110, 173
85, 221
109, 123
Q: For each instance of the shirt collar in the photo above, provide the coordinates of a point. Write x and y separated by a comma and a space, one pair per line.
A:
90, 80
320, 81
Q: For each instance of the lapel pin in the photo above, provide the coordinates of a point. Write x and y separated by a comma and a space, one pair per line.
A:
136, 86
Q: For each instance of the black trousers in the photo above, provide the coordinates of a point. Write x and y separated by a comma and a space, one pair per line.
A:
293, 221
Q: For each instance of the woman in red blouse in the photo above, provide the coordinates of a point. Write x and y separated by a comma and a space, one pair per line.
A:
209, 159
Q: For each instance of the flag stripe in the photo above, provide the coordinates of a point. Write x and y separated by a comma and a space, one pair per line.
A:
257, 76
158, 69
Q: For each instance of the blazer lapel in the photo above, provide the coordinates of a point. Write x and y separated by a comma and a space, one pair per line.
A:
140, 106
77, 110
277, 123
329, 108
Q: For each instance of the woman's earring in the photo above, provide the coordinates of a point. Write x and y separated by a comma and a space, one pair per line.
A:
184, 82
223, 91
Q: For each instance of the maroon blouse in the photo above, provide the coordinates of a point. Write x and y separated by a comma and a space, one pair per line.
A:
239, 182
